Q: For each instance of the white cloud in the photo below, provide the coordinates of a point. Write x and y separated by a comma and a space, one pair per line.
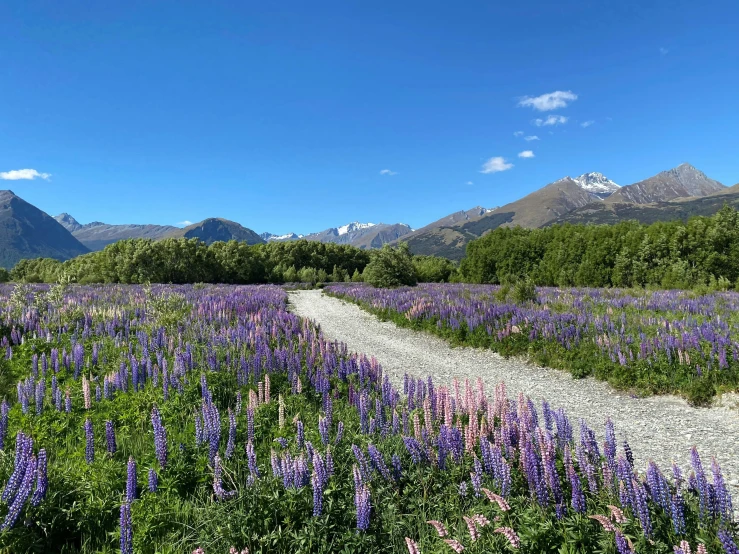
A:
526, 154
587, 123
549, 101
551, 120
185, 223
530, 138
470, 183
663, 50
495, 164
518, 134
25, 174
388, 172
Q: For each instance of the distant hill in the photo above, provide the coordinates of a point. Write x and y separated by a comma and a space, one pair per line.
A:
680, 182
215, 229
27, 232
588, 198
97, 235
533, 210
361, 235
679, 208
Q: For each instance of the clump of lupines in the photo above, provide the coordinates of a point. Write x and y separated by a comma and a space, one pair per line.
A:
237, 335
679, 337
27, 471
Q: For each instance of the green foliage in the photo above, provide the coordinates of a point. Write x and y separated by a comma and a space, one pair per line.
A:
433, 269
524, 291
676, 254
391, 267
4, 275
179, 261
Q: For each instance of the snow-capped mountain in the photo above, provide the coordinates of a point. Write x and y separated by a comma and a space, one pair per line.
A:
596, 183
269, 237
351, 227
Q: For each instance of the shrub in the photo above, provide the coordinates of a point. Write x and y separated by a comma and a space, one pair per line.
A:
524, 291
391, 267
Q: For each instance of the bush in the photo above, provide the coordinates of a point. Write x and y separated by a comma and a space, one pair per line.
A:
524, 291
391, 267
433, 269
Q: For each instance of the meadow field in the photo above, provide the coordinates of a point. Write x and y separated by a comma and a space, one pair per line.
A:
209, 418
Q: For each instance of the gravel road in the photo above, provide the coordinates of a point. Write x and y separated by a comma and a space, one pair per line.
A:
661, 428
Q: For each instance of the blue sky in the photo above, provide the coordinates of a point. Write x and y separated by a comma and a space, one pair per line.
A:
282, 116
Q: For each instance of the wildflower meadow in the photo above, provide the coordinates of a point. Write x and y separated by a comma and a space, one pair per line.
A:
209, 419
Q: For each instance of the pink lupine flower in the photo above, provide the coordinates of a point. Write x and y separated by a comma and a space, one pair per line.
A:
702, 547
439, 526
417, 426
617, 514
604, 521
499, 500
685, 547
472, 528
198, 551
455, 545
510, 534
480, 520
412, 546
266, 389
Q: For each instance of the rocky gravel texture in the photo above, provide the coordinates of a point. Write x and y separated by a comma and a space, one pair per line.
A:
661, 428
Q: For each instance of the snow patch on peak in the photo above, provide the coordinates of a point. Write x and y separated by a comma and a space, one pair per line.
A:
596, 183
353, 226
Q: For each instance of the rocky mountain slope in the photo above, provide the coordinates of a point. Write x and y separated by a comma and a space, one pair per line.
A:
216, 229
97, 235
27, 232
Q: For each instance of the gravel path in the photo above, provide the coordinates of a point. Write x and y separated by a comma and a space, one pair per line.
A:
660, 428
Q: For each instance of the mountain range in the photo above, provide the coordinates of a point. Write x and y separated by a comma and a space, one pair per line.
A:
589, 198
678, 193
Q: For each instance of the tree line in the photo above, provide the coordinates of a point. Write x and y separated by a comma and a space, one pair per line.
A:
179, 260
704, 251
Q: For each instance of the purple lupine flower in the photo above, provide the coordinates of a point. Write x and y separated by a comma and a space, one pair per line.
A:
722, 494
317, 493
218, 489
727, 542
677, 513
362, 503
3, 422
339, 432
622, 546
704, 493
89, 442
463, 489
323, 429
282, 441
362, 463
199, 436
231, 444
68, 402
300, 434
153, 480
126, 529
641, 507
329, 462
397, 467
131, 480
578, 498
98, 394
110, 437
377, 462
42, 481
237, 411
476, 477
40, 393
24, 491
23, 449
251, 459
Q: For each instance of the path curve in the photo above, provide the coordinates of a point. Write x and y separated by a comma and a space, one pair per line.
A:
661, 428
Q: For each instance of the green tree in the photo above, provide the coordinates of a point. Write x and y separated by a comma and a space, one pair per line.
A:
391, 267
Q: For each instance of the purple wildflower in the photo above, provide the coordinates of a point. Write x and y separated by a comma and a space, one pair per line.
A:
153, 480
89, 442
110, 437
131, 480
126, 529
